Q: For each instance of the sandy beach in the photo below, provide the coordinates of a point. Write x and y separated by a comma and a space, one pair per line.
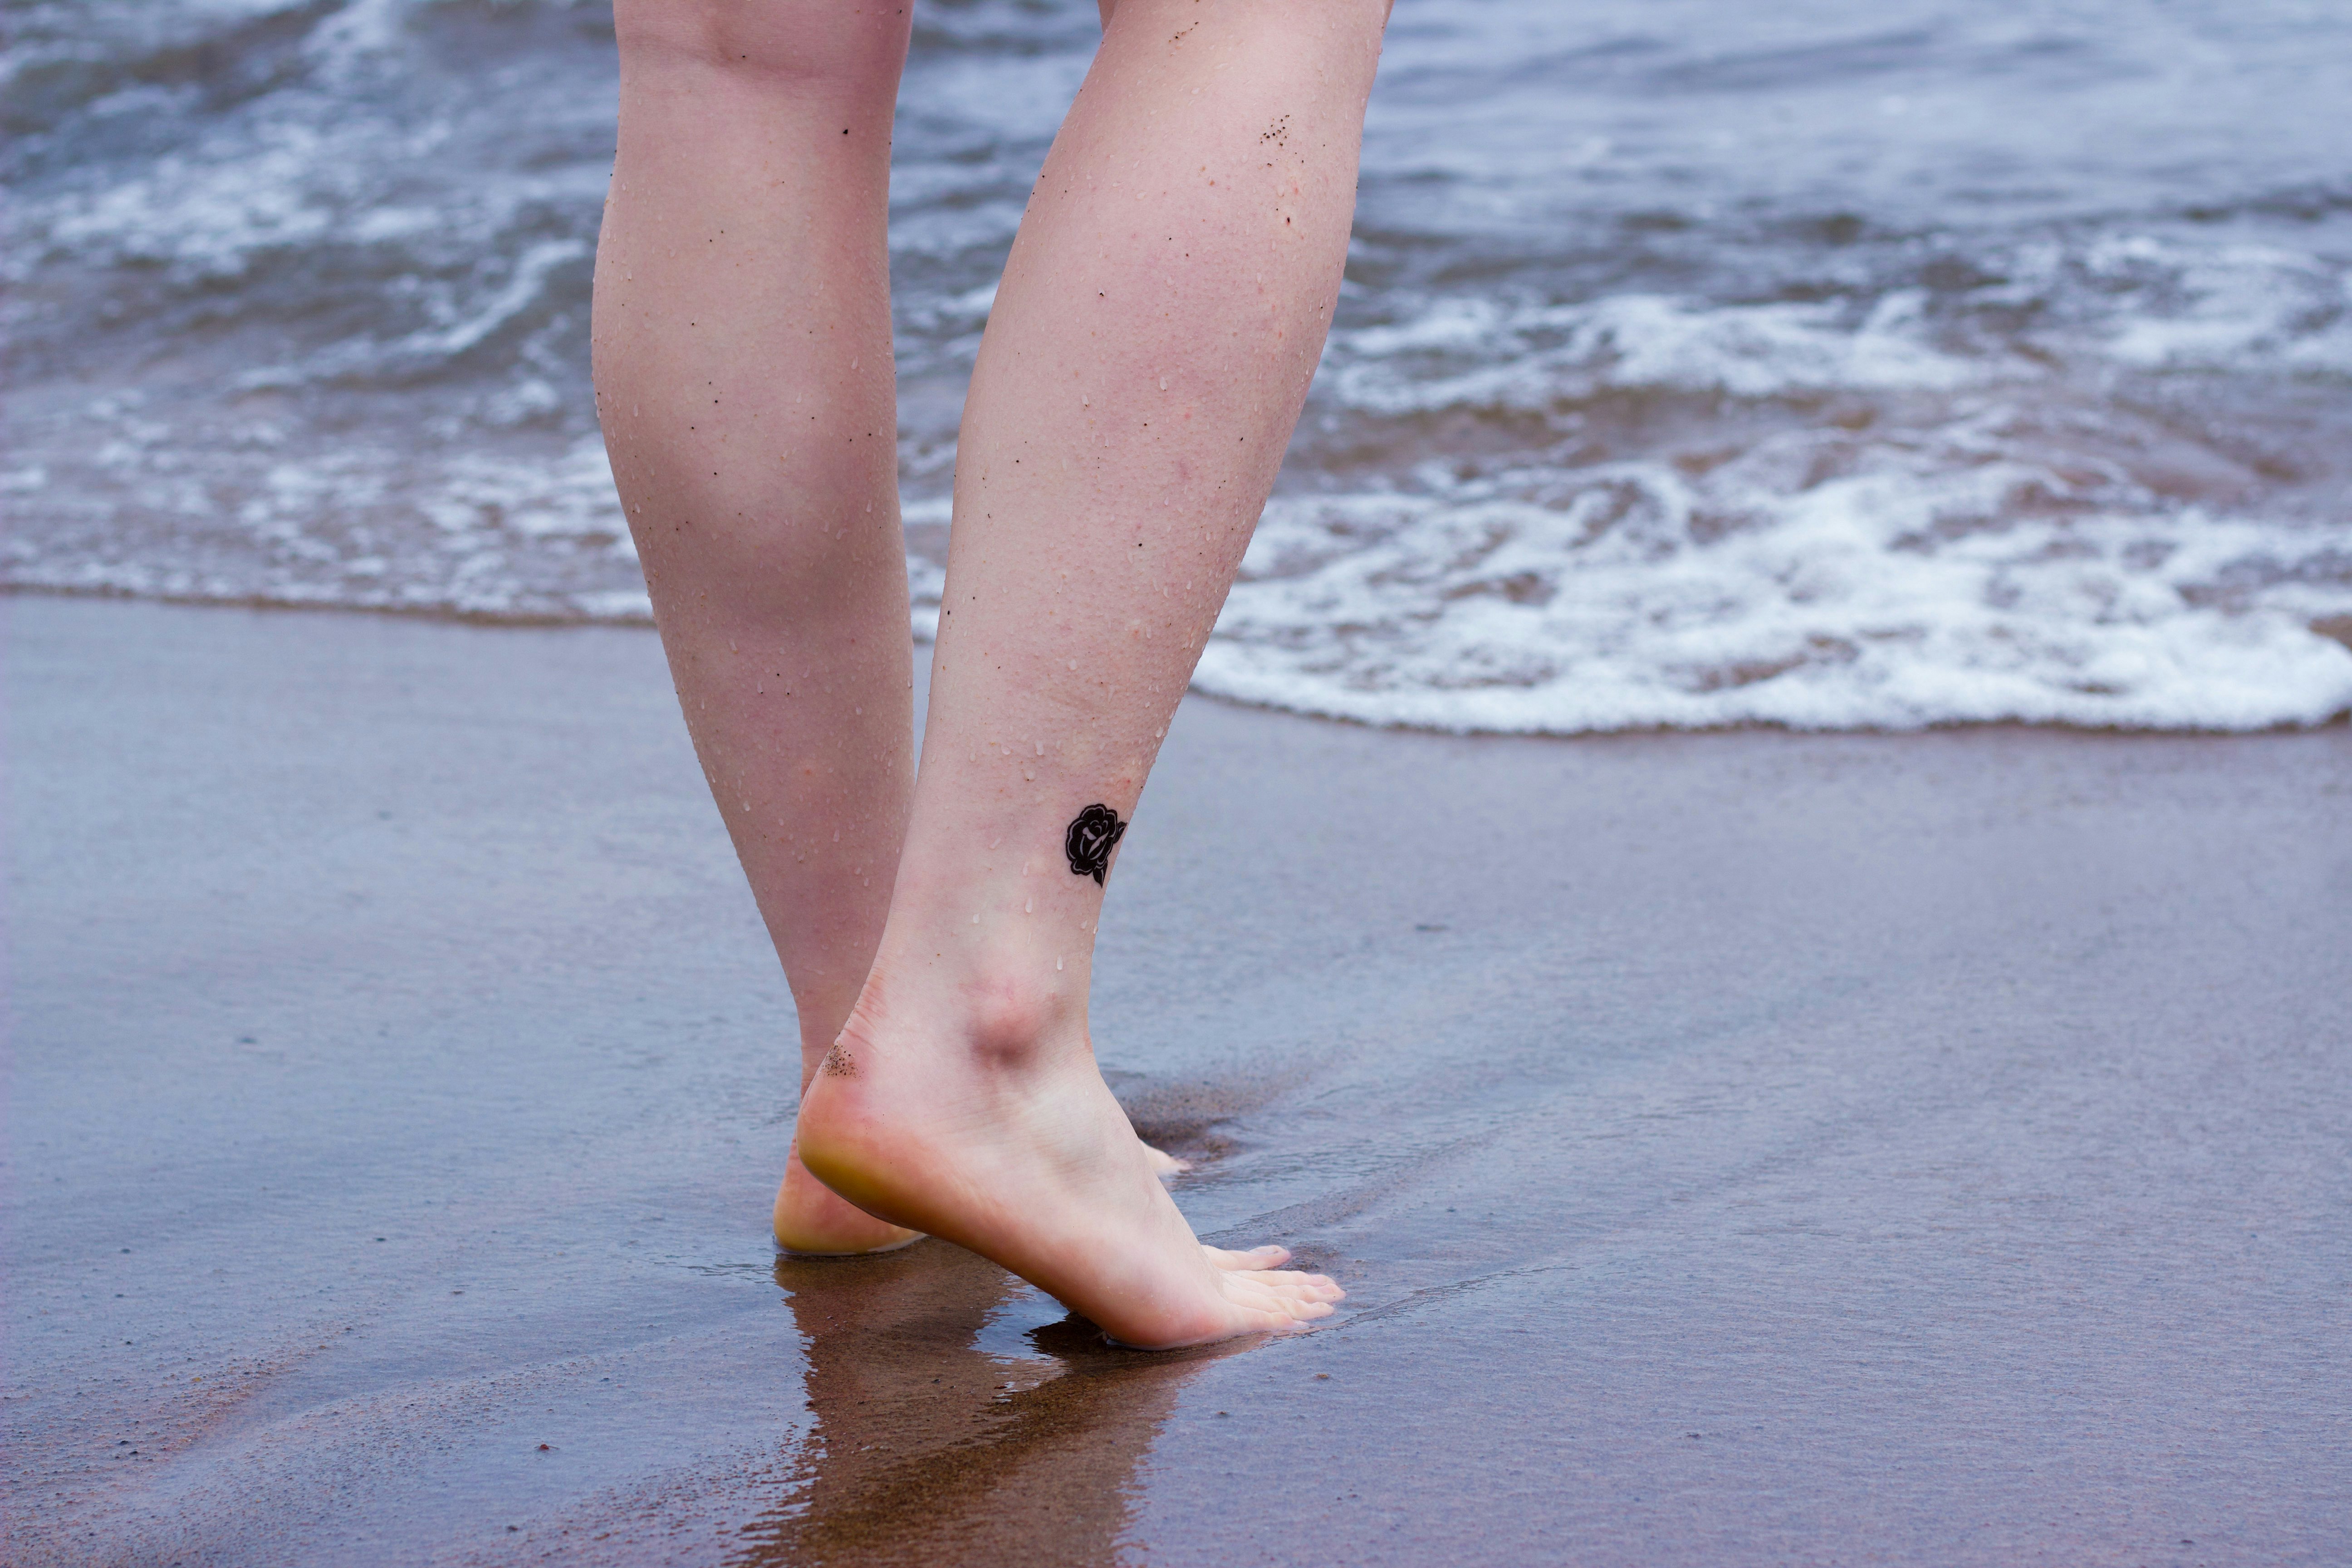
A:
1738, 1148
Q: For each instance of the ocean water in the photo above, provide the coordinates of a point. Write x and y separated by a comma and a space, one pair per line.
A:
1833, 364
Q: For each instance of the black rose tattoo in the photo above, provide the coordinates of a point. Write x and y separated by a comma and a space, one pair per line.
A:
1093, 834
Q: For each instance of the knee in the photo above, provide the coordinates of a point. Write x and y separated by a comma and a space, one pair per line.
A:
806, 43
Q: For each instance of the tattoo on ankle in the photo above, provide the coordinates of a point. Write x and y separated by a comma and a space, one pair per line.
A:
1093, 834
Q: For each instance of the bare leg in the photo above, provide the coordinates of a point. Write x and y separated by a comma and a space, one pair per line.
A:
1147, 356
743, 369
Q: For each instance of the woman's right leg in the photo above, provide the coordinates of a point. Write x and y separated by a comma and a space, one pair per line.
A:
1147, 356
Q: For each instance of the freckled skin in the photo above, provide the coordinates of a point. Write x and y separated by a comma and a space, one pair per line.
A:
1147, 353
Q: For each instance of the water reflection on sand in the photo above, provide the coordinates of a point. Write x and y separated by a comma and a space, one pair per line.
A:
958, 1418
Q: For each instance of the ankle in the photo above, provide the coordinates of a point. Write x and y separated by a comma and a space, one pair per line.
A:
1002, 1012
1011, 1020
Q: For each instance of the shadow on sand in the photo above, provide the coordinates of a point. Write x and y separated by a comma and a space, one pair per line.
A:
946, 1431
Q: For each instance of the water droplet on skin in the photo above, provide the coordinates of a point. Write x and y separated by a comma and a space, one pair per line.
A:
1041, 748
975, 920
1029, 907
1163, 383
1057, 965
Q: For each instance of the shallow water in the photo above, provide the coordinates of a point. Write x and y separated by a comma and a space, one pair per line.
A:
1737, 1148
1829, 364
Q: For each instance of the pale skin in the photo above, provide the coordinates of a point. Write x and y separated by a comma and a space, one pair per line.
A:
1146, 355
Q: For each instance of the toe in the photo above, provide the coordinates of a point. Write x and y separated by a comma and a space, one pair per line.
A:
1256, 1257
1314, 1287
1294, 1298
1296, 1311
1277, 1319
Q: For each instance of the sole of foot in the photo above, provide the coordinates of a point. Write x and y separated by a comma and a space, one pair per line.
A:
1023, 1156
811, 1220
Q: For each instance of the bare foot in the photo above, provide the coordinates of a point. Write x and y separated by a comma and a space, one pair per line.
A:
1000, 1136
816, 1223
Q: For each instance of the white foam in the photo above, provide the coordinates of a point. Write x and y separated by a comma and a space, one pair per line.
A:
1835, 606
1535, 359
2223, 308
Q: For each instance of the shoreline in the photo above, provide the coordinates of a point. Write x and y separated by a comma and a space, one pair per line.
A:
2333, 629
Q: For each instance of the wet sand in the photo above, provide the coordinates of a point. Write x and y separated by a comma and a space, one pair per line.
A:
1740, 1148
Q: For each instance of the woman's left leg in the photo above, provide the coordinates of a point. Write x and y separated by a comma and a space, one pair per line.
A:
744, 381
